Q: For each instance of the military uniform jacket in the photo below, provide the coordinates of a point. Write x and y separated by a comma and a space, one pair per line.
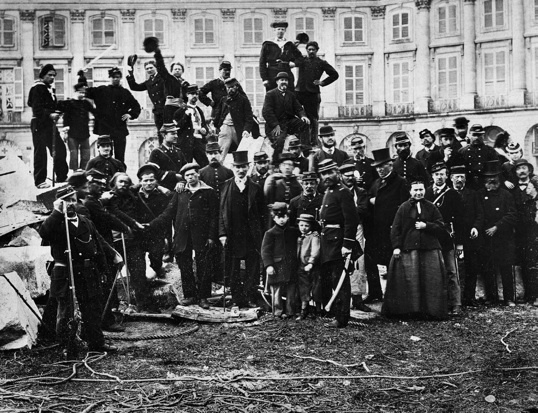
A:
240, 111
279, 108
172, 85
108, 166
456, 158
217, 88
301, 163
170, 160
368, 172
282, 189
303, 204
337, 209
473, 217
411, 170
112, 102
155, 88
424, 154
269, 68
104, 221
338, 157
475, 157
450, 204
195, 216
77, 117
260, 180
311, 69
215, 176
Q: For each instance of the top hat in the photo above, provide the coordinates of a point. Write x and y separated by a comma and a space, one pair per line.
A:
240, 158
327, 165
309, 176
212, 147
104, 140
279, 208
65, 191
168, 127
307, 218
192, 89
426, 132
356, 141
401, 137
150, 44
477, 130
294, 142
492, 168
381, 156
274, 25
523, 161
77, 178
114, 71
150, 167
326, 130
188, 167
282, 75
95, 175
458, 169
260, 156
225, 64
461, 122
437, 166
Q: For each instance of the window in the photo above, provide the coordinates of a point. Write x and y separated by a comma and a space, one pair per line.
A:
400, 82
536, 10
447, 77
11, 96
154, 27
7, 32
495, 81
204, 32
493, 13
305, 25
536, 70
253, 30
103, 31
447, 22
204, 74
254, 88
354, 84
353, 29
52, 29
400, 26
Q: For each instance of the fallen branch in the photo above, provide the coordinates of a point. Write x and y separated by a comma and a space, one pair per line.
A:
328, 361
506, 335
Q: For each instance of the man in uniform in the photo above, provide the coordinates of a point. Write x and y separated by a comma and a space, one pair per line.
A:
215, 174
427, 138
475, 155
284, 115
339, 220
216, 87
405, 165
241, 226
42, 100
114, 107
195, 214
363, 164
154, 85
308, 86
309, 201
168, 157
448, 153
299, 161
387, 193
461, 125
450, 205
328, 148
261, 168
104, 161
282, 186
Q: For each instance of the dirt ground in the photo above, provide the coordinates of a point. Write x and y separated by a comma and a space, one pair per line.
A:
486, 361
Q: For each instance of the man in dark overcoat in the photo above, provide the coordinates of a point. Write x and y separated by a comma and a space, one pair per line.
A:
339, 220
387, 193
448, 152
241, 227
114, 107
405, 165
427, 138
216, 87
300, 162
42, 100
500, 219
284, 115
363, 164
282, 185
328, 148
475, 155
104, 162
309, 201
215, 174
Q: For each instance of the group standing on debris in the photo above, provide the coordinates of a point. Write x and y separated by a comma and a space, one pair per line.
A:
309, 224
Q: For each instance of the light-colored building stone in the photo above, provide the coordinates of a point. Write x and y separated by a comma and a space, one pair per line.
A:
404, 65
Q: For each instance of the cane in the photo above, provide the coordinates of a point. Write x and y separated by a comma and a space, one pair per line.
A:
112, 291
126, 270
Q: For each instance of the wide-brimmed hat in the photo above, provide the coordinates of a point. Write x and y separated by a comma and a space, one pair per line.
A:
307, 218
286, 156
326, 130
327, 165
381, 156
282, 75
523, 161
240, 158
104, 140
492, 168
437, 166
150, 167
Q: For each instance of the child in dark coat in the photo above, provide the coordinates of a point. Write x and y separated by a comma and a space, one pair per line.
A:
279, 254
308, 250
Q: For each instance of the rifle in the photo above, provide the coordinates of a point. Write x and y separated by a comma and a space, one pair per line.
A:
75, 318
53, 150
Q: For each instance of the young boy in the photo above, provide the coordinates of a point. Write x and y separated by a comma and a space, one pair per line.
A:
279, 256
308, 249
509, 176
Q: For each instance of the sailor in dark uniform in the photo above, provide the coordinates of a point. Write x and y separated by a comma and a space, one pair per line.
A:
475, 155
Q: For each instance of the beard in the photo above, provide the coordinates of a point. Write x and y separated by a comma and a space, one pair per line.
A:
404, 153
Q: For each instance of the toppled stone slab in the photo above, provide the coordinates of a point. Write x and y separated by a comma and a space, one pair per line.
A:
18, 324
21, 214
25, 237
30, 263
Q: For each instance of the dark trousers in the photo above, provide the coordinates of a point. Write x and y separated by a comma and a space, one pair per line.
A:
136, 265
158, 118
331, 272
290, 127
469, 273
199, 286
311, 102
119, 143
155, 248
372, 276
243, 286
527, 252
508, 280
77, 147
42, 137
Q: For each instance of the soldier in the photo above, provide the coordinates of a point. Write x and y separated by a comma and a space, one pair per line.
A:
461, 125
473, 222
195, 214
42, 100
308, 86
241, 226
88, 260
104, 161
405, 165
282, 186
339, 220
500, 219
448, 153
363, 164
216, 87
328, 148
215, 174
168, 157
308, 202
284, 115
387, 193
427, 138
114, 107
475, 156
261, 168
154, 85
451, 207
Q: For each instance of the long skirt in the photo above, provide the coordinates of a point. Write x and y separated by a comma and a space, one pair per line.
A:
417, 285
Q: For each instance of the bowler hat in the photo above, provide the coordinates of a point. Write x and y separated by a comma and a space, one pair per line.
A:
274, 25
356, 141
104, 140
401, 137
326, 130
77, 178
150, 44
282, 75
307, 218
327, 165
458, 169
294, 142
438, 166
461, 122
523, 161
65, 191
225, 64
477, 130
188, 167
192, 89
309, 176
279, 208
114, 71
94, 175
492, 168
150, 167
381, 156
240, 158
46, 69
212, 147
260, 156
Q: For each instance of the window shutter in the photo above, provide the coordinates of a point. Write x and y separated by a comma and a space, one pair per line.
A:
19, 95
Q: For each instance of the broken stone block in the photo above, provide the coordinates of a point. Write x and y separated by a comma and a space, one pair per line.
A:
30, 263
24, 237
18, 324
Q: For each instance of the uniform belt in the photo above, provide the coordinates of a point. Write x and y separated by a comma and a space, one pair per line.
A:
331, 226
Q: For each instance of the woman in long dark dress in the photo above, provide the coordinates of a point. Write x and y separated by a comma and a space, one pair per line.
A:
416, 282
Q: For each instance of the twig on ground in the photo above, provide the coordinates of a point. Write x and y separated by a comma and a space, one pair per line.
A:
506, 335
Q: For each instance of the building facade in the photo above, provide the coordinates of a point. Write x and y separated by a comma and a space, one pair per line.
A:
404, 65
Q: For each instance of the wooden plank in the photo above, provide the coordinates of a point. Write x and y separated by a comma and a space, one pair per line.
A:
214, 314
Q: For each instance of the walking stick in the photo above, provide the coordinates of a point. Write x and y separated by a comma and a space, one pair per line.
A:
110, 295
126, 270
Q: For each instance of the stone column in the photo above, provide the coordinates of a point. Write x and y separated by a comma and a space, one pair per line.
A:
77, 39
27, 51
226, 34
179, 34
422, 65
469, 56
377, 73
128, 42
329, 41
516, 96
